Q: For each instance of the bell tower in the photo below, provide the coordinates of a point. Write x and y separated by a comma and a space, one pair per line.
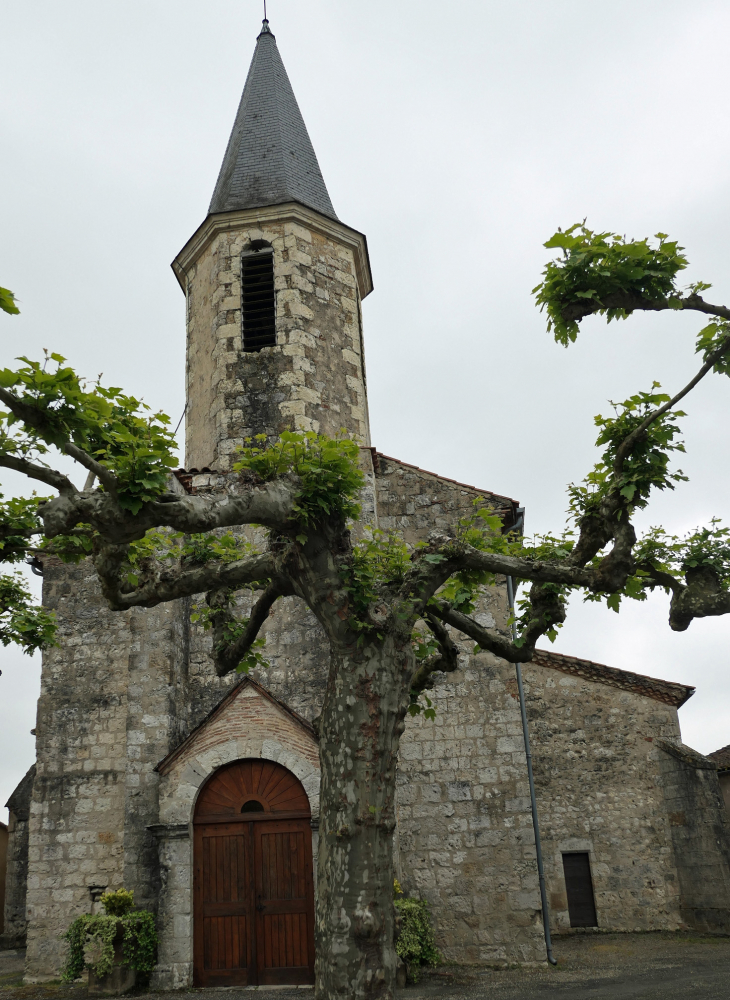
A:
273, 284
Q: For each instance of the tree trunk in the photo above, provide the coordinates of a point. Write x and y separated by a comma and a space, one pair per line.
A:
361, 724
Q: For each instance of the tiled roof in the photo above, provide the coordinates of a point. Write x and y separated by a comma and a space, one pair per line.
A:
666, 691
721, 758
270, 159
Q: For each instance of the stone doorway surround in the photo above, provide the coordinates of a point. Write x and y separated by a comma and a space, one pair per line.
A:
248, 722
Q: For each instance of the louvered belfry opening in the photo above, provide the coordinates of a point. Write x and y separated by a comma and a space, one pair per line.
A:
258, 301
579, 889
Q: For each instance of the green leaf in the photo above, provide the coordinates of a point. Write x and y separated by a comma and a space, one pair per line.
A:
594, 266
613, 602
7, 302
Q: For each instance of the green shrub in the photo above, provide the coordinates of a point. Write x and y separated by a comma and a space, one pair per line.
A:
118, 902
91, 938
415, 944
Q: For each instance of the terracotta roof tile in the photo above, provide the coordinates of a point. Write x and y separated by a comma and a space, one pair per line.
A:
651, 687
721, 757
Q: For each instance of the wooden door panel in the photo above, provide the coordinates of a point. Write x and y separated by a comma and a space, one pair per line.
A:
226, 877
285, 940
225, 944
282, 865
284, 902
223, 918
253, 916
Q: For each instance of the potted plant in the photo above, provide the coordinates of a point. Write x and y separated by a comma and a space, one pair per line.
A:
414, 945
114, 946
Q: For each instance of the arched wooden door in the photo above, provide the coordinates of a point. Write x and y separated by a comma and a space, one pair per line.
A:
253, 913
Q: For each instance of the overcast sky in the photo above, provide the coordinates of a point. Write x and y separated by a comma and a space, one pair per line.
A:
457, 137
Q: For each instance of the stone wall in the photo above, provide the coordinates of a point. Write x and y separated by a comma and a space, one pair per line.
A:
104, 721
724, 779
464, 823
122, 691
15, 924
314, 378
465, 828
599, 789
412, 501
700, 835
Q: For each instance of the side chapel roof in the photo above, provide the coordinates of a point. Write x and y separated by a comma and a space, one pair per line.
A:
665, 691
721, 757
19, 801
235, 691
270, 159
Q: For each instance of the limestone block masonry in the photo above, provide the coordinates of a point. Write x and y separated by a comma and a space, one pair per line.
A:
105, 716
132, 718
313, 379
121, 691
16, 873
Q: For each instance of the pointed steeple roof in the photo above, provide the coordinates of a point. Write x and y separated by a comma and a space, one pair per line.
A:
270, 158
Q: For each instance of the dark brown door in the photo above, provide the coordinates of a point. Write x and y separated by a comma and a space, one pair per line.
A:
224, 911
283, 901
579, 889
253, 912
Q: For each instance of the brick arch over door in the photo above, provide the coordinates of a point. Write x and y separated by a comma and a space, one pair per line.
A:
253, 915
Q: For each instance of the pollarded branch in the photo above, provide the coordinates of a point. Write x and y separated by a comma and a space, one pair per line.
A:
703, 597
486, 638
446, 659
35, 419
106, 478
228, 652
269, 504
169, 585
40, 473
627, 444
538, 570
631, 301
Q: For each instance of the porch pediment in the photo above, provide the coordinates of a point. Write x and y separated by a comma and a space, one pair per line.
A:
249, 722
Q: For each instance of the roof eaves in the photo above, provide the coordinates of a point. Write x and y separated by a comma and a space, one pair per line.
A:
721, 758
650, 687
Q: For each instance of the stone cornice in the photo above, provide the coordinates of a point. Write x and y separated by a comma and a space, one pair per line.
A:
290, 212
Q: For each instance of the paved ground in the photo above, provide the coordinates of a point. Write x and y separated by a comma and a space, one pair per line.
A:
591, 967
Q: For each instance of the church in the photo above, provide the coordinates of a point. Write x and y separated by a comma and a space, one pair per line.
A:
154, 774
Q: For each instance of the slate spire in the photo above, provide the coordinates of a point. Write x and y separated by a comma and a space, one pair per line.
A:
270, 159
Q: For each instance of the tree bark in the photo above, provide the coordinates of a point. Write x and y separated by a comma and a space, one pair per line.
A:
360, 728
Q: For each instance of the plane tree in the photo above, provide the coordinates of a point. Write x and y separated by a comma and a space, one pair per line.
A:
390, 612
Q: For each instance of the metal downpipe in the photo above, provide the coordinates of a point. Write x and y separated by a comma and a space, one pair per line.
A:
533, 802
